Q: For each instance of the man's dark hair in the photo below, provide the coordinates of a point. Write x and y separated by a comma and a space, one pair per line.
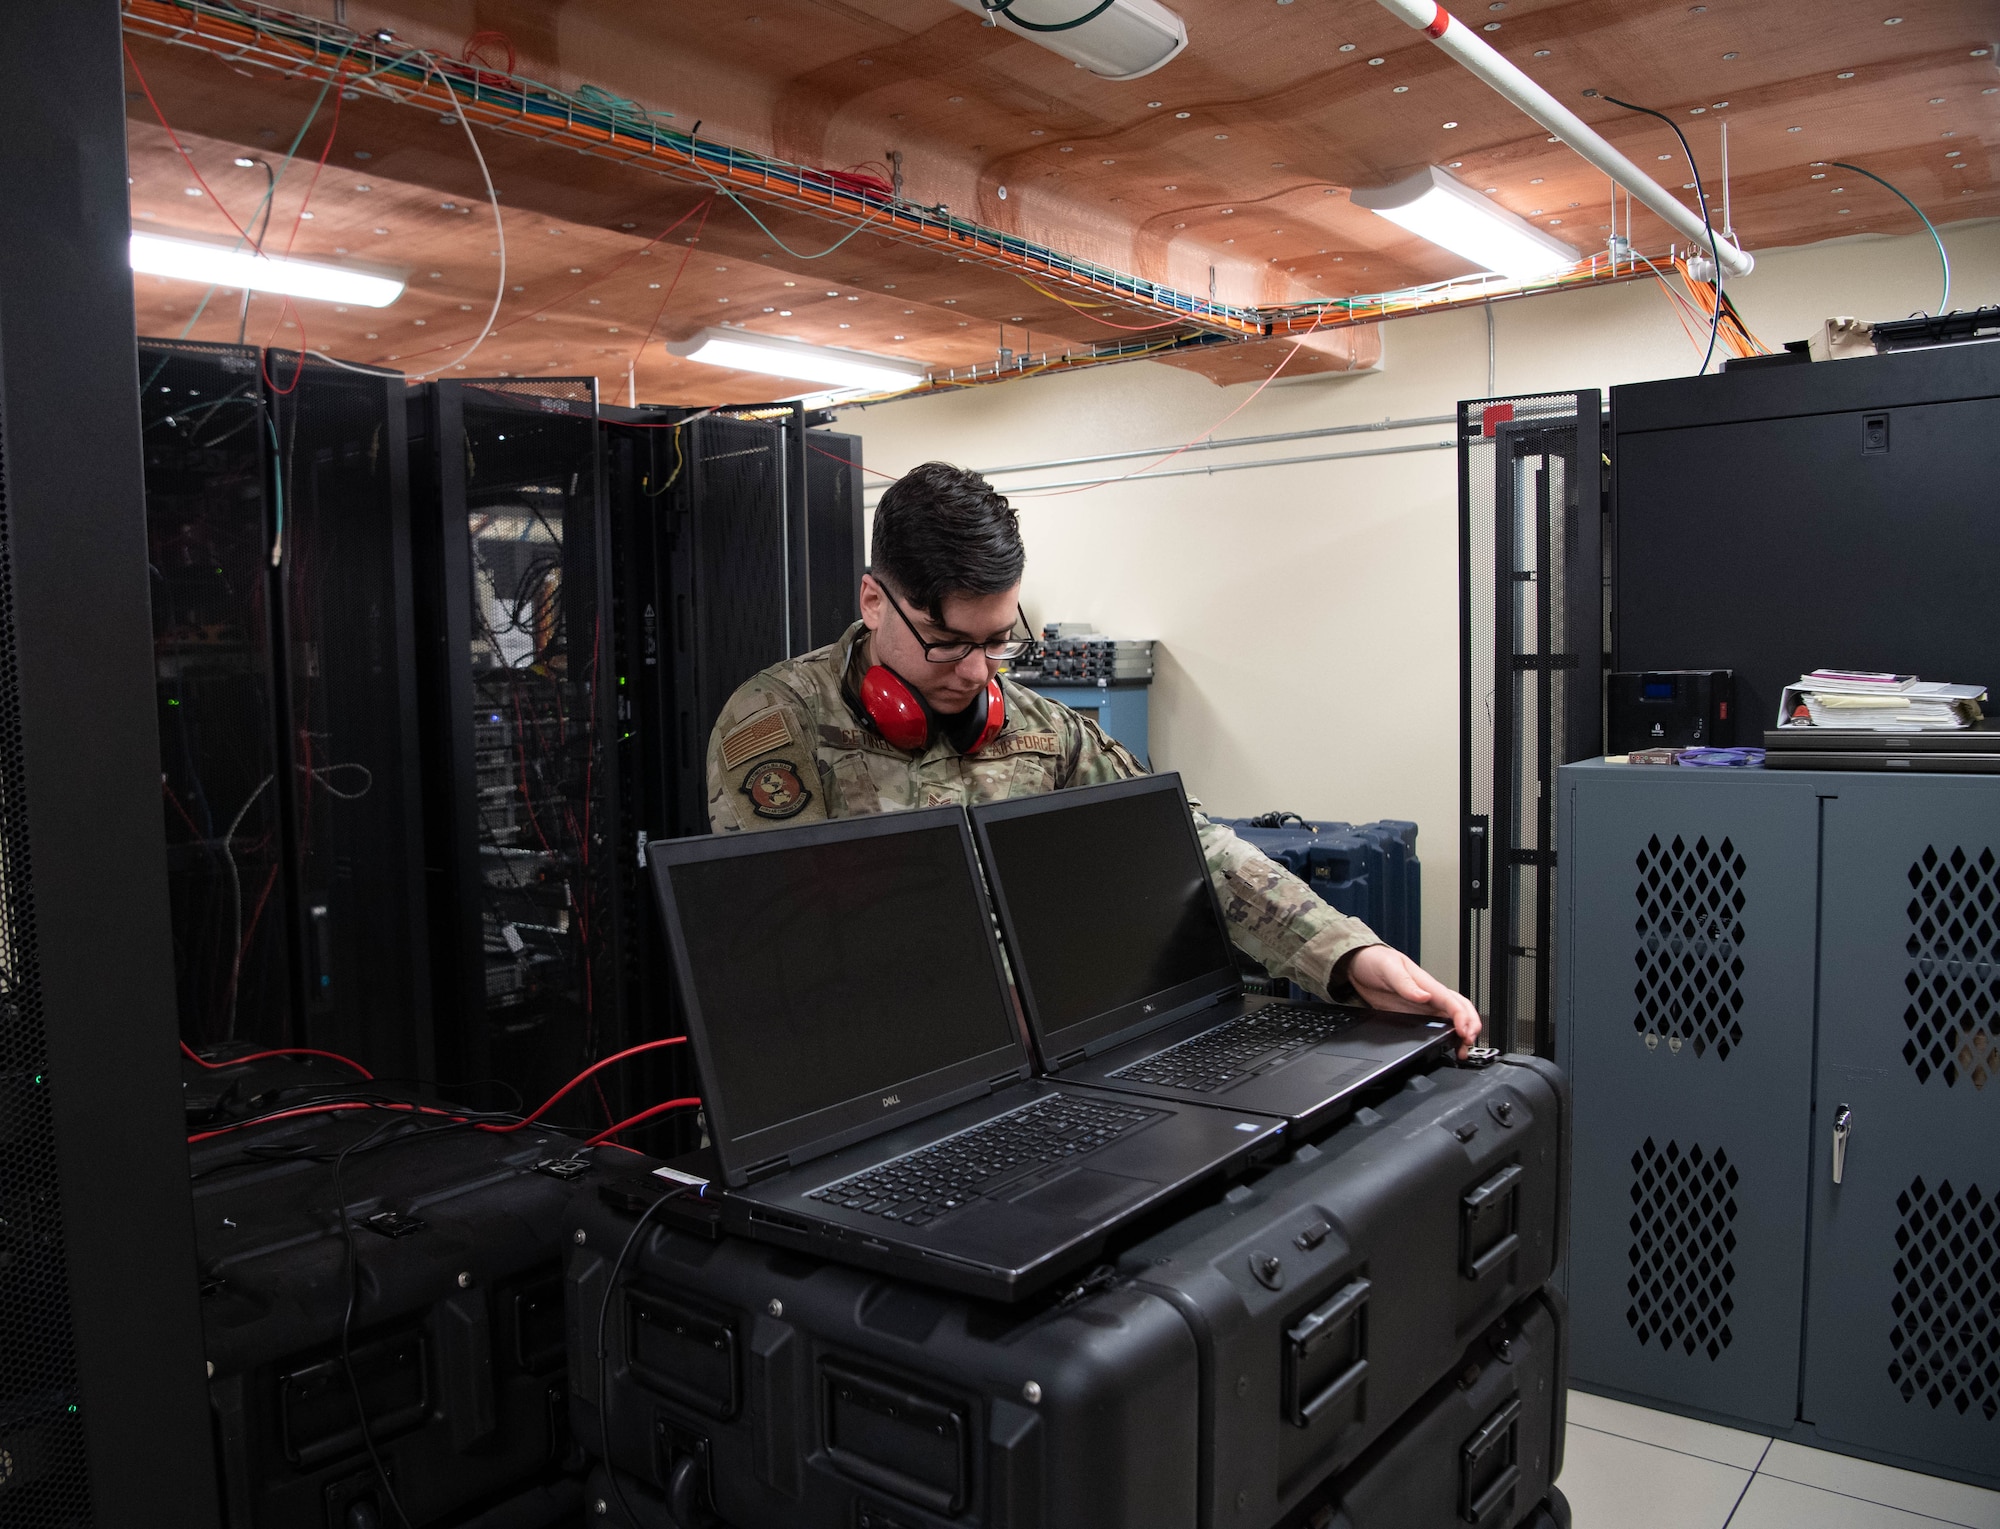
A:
942, 530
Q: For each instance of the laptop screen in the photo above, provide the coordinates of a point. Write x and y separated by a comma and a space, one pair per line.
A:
838, 975
1106, 902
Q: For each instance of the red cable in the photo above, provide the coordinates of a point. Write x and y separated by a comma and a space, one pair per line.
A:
258, 1056
873, 472
591, 1071
686, 254
319, 1109
639, 1119
1205, 435
153, 101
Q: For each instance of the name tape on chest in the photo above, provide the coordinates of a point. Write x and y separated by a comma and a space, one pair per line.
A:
766, 732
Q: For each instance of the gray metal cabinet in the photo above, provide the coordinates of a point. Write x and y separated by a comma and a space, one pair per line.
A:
1745, 959
1903, 1329
1687, 917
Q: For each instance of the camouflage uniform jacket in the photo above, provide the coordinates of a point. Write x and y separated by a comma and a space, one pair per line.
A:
789, 748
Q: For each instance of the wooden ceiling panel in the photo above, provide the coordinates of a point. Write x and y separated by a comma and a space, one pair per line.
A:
1228, 170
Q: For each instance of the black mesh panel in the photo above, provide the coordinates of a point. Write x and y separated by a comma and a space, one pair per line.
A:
743, 554
44, 1478
209, 533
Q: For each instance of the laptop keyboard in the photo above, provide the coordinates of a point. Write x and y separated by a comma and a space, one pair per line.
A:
920, 1186
1272, 1033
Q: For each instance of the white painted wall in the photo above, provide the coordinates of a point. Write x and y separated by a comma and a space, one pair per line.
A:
1307, 616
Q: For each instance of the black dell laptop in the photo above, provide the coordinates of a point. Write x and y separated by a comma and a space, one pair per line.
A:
1132, 985
869, 1095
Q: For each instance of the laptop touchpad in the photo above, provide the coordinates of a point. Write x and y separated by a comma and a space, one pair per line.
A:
1085, 1193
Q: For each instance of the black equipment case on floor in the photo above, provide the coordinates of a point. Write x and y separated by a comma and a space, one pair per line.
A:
1228, 1365
1329, 1293
1483, 1447
457, 1334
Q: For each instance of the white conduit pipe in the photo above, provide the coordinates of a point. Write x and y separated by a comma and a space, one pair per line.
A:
1465, 45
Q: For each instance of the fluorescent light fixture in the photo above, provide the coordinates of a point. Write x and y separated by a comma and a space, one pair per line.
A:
1434, 206
218, 265
775, 357
1120, 41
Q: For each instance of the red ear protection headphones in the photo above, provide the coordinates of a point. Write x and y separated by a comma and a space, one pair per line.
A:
896, 710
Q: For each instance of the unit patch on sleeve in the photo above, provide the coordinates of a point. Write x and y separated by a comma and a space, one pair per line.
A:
774, 788
769, 729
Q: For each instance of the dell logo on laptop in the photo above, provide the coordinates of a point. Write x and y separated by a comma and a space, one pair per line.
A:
892, 1099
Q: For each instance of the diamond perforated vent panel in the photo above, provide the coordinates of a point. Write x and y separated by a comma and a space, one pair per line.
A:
1683, 1247
43, 1480
1947, 1334
1954, 976
1690, 942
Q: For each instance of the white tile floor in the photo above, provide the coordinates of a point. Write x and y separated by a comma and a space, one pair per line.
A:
1627, 1467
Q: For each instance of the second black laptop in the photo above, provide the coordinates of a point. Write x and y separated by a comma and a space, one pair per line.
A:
1126, 972
868, 1093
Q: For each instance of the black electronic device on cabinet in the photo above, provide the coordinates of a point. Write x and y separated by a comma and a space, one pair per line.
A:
1669, 709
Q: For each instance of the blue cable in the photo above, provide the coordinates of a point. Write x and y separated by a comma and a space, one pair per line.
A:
1722, 759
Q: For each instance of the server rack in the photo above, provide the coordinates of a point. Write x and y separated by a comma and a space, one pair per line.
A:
346, 622
277, 515
1532, 601
644, 455
836, 535
523, 795
735, 590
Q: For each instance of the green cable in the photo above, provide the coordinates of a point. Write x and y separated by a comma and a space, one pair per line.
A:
277, 490
1944, 303
795, 254
270, 193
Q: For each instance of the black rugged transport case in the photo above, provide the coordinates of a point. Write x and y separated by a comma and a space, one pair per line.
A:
1220, 1374
1482, 1448
1327, 1294
457, 1340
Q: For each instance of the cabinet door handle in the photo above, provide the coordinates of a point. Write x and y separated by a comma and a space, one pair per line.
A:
1843, 1127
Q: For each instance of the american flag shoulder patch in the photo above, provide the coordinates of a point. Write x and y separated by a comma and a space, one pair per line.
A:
767, 731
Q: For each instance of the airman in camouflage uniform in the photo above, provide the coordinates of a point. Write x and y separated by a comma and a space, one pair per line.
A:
794, 745
790, 748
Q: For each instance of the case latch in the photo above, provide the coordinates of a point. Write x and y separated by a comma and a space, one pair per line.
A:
1488, 1465
1326, 1354
1488, 1219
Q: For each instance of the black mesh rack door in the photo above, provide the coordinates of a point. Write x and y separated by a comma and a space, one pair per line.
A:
524, 795
223, 780
645, 458
1531, 623
103, 1414
836, 541
340, 484
732, 586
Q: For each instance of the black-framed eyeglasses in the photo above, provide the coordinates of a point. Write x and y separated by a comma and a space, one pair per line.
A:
957, 652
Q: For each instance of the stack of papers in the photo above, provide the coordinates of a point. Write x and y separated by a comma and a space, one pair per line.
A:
1887, 703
